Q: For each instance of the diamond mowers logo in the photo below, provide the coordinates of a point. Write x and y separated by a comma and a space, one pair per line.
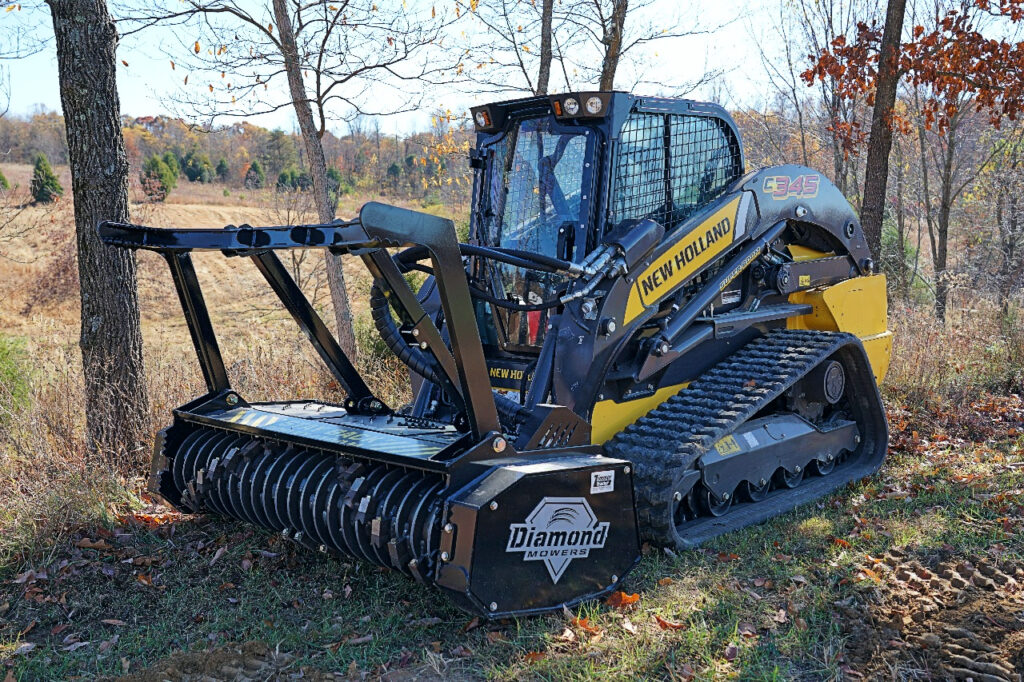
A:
558, 530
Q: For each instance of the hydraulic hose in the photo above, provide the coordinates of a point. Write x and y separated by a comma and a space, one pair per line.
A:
414, 358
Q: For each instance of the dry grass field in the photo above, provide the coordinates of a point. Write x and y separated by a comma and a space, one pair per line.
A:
915, 574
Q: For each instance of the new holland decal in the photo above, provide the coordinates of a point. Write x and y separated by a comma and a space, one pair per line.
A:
558, 530
684, 258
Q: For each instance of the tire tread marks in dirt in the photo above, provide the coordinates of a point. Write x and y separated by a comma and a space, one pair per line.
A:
956, 619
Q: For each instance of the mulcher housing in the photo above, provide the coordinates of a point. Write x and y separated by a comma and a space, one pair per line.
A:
638, 341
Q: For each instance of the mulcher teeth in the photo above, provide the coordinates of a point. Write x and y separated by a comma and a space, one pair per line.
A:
372, 511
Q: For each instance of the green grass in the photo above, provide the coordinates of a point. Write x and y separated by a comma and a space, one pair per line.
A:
758, 604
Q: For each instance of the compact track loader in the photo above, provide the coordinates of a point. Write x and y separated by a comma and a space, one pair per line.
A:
639, 342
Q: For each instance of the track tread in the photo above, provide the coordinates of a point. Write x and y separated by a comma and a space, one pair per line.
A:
708, 409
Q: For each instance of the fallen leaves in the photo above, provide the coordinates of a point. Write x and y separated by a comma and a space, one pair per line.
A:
29, 577
868, 574
24, 648
584, 624
535, 656
620, 600
668, 624
105, 646
112, 621
88, 543
496, 636
218, 554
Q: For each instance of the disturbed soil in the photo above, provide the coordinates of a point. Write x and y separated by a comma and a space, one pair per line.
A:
933, 617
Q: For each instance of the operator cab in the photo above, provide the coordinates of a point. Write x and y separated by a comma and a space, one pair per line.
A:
556, 175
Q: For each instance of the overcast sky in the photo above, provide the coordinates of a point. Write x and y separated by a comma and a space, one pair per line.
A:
147, 85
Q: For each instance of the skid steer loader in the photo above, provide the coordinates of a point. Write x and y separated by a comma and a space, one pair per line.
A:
639, 342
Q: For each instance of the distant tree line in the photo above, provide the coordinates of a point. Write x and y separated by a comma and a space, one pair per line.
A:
165, 152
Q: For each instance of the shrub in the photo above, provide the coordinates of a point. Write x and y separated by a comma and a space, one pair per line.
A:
3, 182
45, 187
292, 178
337, 186
157, 179
255, 178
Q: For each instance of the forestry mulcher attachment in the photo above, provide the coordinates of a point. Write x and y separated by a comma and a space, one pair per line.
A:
639, 342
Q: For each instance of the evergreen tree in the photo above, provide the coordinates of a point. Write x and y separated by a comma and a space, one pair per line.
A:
171, 160
255, 178
45, 187
3, 182
197, 166
157, 178
222, 170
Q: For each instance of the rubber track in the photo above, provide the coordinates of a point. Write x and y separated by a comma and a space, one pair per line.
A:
711, 407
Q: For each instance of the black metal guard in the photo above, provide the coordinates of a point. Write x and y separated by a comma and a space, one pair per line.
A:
464, 369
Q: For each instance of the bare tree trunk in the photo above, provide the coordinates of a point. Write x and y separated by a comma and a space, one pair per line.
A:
116, 402
318, 173
876, 174
612, 40
900, 264
544, 72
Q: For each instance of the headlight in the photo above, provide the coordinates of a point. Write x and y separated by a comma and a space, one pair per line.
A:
572, 106
594, 105
481, 119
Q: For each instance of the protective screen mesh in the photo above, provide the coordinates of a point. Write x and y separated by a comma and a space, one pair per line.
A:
668, 166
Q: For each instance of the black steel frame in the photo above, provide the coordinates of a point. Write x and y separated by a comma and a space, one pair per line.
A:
464, 370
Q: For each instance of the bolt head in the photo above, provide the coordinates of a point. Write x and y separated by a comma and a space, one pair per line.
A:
615, 579
762, 482
677, 496
231, 399
499, 444
423, 345
625, 470
448, 528
725, 496
323, 549
831, 457
415, 332
798, 468
493, 506
856, 439
493, 606
444, 556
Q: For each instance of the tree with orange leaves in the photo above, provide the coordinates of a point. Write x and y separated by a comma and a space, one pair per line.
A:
953, 59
